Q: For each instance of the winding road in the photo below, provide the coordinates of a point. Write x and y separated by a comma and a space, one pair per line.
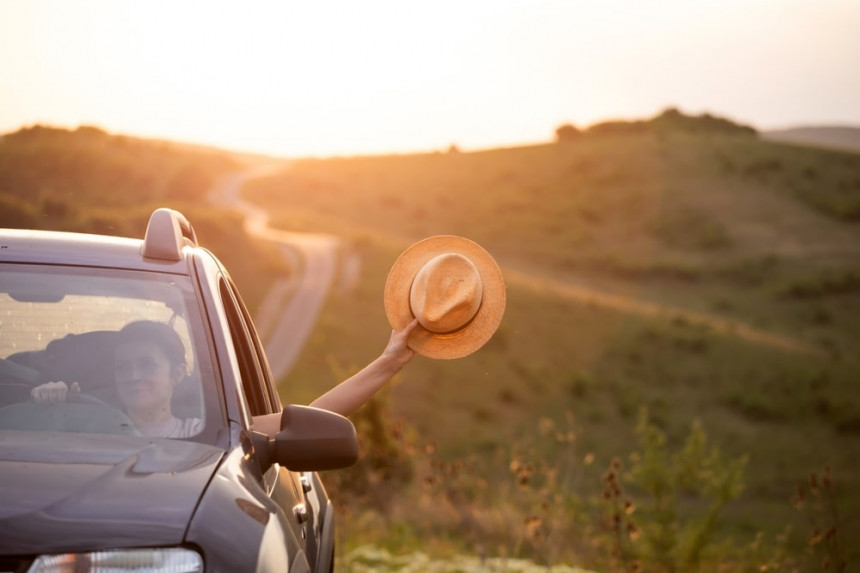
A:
290, 309
288, 313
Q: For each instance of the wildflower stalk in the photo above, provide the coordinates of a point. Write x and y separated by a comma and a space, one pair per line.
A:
821, 512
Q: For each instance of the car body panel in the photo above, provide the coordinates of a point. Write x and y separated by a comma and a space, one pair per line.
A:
259, 532
80, 249
59, 493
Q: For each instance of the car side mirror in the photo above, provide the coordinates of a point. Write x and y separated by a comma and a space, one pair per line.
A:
310, 439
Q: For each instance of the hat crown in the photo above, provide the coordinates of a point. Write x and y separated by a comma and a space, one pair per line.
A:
446, 293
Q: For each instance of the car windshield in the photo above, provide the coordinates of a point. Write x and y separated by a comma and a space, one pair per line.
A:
128, 345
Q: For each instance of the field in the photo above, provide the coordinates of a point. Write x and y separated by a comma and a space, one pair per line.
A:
675, 278
675, 383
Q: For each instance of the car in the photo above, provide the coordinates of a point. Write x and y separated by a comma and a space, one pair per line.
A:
86, 486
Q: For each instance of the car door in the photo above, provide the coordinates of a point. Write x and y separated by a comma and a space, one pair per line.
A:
283, 486
314, 511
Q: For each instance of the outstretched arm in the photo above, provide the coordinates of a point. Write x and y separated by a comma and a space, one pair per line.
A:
352, 393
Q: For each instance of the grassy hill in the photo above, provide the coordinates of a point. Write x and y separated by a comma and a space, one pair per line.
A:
835, 137
679, 267
88, 180
702, 276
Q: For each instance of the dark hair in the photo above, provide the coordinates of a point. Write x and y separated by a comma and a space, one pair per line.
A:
158, 333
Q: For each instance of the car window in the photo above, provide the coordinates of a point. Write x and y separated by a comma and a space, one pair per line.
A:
257, 346
251, 367
131, 341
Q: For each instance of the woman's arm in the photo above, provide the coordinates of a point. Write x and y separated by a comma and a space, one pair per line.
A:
352, 393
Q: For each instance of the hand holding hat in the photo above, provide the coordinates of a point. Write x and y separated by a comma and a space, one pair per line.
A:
456, 291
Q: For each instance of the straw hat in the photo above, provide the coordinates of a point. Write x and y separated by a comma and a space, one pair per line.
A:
455, 289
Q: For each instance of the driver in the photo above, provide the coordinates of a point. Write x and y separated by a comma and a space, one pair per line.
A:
150, 361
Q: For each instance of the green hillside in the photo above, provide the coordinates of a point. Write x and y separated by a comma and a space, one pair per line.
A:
88, 180
677, 267
701, 274
834, 137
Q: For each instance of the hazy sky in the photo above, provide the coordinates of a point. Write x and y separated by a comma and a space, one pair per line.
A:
370, 76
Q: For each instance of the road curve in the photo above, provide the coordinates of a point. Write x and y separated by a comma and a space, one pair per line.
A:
284, 327
290, 309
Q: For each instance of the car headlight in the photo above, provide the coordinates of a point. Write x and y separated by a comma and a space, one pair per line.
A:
168, 560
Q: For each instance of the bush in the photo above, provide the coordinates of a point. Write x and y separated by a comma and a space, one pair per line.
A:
16, 213
384, 465
567, 132
661, 537
672, 120
824, 284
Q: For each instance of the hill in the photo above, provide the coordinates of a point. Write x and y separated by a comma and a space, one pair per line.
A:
88, 180
703, 227
684, 268
834, 137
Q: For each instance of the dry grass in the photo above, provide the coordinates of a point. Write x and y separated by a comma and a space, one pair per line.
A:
716, 227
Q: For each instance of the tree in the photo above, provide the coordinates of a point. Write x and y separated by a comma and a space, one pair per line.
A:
566, 132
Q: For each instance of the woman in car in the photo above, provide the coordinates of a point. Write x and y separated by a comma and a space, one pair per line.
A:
150, 361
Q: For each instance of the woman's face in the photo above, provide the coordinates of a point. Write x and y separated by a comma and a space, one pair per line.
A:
145, 380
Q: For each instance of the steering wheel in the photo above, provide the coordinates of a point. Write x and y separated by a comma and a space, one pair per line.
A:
83, 398
14, 372
79, 413
16, 380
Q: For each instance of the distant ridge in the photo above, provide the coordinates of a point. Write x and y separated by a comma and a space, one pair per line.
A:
834, 137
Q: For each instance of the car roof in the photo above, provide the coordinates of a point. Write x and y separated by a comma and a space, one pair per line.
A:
159, 251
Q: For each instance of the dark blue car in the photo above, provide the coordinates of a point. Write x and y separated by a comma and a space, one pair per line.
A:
87, 481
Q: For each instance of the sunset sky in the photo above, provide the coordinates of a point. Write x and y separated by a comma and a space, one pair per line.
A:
371, 76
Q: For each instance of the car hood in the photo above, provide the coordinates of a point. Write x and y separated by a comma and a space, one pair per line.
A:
63, 492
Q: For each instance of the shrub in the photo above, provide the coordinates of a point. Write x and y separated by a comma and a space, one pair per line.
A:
567, 132
16, 213
827, 283
384, 465
661, 537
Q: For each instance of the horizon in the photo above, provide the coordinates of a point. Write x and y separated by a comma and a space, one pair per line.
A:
504, 145
380, 78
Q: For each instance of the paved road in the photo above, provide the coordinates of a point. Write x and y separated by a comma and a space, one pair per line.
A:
290, 309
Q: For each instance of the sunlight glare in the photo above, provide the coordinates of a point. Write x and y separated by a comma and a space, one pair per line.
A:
380, 76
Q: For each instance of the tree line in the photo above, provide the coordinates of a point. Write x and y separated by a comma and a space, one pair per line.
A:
670, 120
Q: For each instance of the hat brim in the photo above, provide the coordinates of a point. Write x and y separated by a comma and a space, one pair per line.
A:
478, 331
